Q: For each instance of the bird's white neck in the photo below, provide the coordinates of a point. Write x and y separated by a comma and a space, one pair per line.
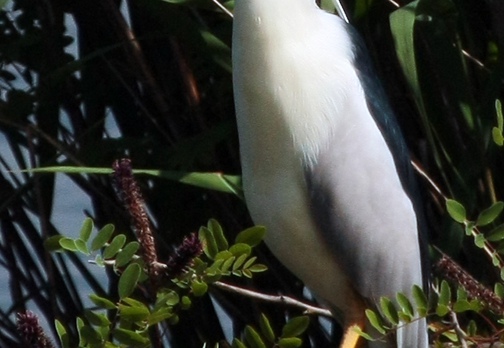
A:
284, 56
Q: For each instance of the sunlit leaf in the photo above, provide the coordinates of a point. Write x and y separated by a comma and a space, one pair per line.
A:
375, 321
199, 288
126, 254
210, 247
251, 236
102, 237
479, 240
218, 233
86, 229
266, 329
62, 334
68, 244
240, 249
253, 338
420, 300
115, 245
405, 304
389, 311
456, 210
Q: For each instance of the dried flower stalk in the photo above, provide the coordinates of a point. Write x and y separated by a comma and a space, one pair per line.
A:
453, 272
31, 332
131, 196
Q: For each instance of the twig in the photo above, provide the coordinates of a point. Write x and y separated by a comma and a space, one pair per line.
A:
308, 309
460, 333
225, 10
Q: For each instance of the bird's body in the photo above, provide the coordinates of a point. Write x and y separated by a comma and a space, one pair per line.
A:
317, 170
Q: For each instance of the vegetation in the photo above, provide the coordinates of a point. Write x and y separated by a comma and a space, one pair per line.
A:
86, 82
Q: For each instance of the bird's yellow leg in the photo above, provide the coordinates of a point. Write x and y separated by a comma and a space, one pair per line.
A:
355, 318
351, 339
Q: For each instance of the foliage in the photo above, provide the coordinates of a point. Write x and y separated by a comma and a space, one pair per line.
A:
84, 82
134, 319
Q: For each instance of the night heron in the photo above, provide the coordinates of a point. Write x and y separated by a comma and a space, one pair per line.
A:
325, 167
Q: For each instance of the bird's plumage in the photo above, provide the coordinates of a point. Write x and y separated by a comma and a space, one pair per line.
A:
317, 170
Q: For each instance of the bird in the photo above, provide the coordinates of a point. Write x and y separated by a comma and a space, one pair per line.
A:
324, 165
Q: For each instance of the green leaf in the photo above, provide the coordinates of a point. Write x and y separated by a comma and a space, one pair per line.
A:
469, 227
86, 229
199, 288
500, 116
497, 136
131, 338
115, 245
126, 254
361, 333
460, 306
253, 338
472, 328
257, 268
62, 334
102, 302
290, 342
129, 279
420, 300
375, 321
79, 323
52, 243
251, 236
68, 244
91, 336
239, 261
266, 329
102, 237
209, 243
226, 265
444, 300
240, 249
295, 326
218, 233
495, 259
249, 262
442, 310
186, 302
488, 215
499, 289
96, 319
456, 210
159, 316
171, 298
82, 246
238, 344
479, 240
389, 311
212, 181
461, 294
134, 313
497, 234
444, 293
405, 304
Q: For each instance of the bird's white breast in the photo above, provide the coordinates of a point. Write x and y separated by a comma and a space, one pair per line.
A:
284, 120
